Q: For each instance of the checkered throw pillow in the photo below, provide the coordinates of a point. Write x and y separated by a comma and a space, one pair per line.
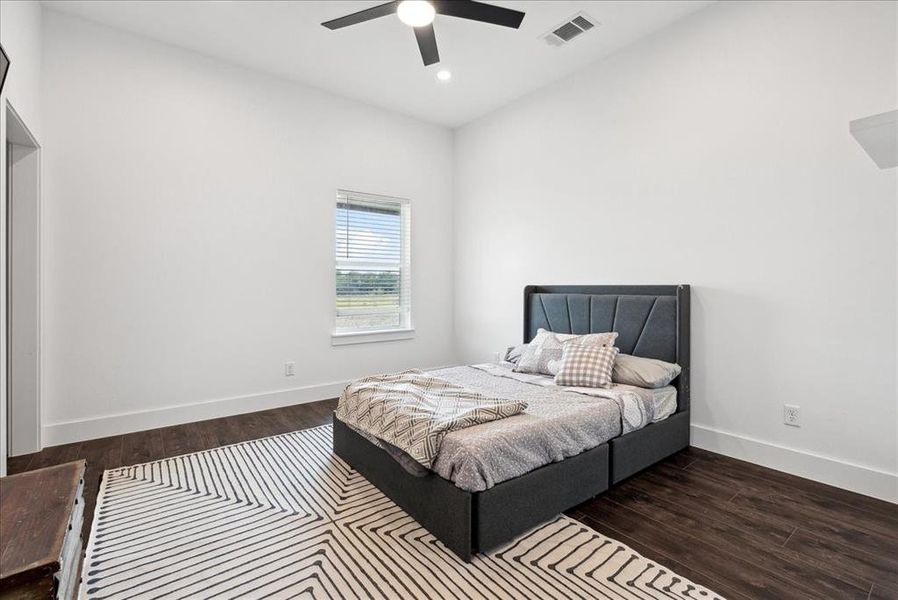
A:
586, 365
543, 354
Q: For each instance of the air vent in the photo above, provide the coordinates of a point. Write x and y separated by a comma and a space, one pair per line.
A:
567, 31
582, 22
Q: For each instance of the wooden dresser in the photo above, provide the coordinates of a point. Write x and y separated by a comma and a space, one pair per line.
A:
41, 513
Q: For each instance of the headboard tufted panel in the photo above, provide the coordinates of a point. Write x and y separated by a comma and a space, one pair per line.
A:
651, 321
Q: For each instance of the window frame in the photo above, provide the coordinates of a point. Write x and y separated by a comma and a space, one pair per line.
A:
405, 329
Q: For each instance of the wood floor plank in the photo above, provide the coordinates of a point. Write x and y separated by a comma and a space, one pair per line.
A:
725, 534
733, 570
680, 460
203, 437
243, 428
276, 422
878, 592
312, 415
19, 464
705, 579
55, 455
876, 568
142, 446
776, 530
840, 530
177, 440
103, 453
223, 431
687, 479
753, 483
751, 470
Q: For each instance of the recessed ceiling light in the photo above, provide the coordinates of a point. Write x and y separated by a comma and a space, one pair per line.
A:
444, 75
416, 13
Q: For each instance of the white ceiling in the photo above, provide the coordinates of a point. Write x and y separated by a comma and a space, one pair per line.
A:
378, 61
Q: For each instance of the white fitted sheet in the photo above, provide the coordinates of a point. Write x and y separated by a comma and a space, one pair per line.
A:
665, 401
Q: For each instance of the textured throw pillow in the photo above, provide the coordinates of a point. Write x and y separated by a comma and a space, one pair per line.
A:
586, 366
543, 354
643, 372
513, 354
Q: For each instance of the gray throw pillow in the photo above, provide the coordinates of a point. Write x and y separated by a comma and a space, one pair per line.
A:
513, 354
643, 372
543, 354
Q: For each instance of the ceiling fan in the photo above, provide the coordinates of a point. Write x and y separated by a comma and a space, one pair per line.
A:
419, 14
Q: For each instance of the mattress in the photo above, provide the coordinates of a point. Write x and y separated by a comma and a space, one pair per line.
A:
558, 423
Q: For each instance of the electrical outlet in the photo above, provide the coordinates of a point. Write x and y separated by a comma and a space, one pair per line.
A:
792, 415
289, 369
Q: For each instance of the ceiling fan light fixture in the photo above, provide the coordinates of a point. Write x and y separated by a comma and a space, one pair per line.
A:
416, 13
419, 15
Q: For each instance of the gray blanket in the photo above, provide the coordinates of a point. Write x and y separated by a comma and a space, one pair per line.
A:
556, 424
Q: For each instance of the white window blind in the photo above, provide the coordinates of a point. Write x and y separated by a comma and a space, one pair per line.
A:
373, 263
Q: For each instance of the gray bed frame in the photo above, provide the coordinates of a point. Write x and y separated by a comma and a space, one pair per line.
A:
652, 321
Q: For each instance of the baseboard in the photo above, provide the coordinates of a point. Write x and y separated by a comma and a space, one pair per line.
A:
80, 430
857, 478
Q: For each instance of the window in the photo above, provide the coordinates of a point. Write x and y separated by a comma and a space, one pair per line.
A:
373, 268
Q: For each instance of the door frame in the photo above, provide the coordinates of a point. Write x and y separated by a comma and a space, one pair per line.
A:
23, 149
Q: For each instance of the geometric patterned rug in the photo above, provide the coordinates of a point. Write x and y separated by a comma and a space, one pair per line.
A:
282, 517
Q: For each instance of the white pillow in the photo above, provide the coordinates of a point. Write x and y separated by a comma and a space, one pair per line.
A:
643, 372
543, 354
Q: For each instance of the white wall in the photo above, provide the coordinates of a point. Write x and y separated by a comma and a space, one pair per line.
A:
188, 213
714, 153
20, 35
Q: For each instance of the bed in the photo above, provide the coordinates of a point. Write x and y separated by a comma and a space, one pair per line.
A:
652, 322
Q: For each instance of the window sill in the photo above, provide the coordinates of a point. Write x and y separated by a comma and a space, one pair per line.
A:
366, 337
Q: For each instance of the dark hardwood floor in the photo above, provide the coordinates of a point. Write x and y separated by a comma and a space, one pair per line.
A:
737, 528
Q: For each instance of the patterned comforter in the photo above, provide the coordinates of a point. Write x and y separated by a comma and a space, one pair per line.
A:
413, 411
559, 422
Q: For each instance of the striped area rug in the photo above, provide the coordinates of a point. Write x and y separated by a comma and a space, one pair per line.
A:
282, 517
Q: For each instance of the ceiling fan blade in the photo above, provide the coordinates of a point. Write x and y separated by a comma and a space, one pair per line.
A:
479, 11
427, 44
381, 10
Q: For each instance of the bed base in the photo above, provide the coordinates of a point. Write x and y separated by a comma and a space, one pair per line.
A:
644, 447
471, 522
652, 321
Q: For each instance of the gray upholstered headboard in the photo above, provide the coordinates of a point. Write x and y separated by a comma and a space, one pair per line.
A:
651, 320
